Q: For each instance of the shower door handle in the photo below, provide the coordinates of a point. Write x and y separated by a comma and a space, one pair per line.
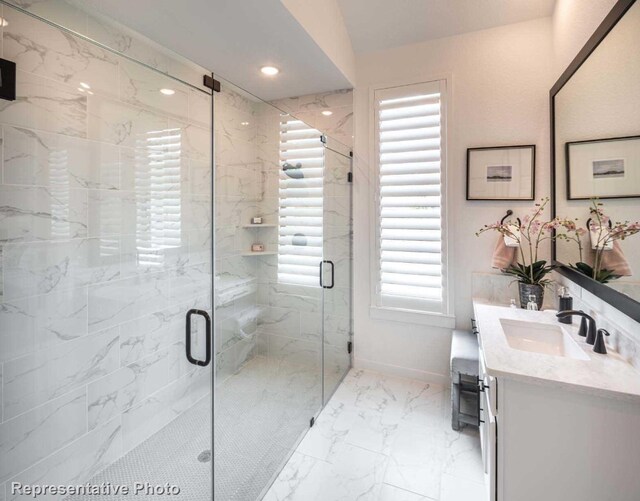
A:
322, 273
207, 319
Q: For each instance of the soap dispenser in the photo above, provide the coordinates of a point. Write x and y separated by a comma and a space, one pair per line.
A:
565, 302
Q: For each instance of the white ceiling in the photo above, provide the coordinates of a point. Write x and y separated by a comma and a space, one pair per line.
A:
382, 24
234, 38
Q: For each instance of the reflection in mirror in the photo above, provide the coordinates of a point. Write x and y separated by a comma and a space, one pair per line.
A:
597, 154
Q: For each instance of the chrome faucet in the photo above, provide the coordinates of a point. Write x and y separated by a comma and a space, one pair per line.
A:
584, 331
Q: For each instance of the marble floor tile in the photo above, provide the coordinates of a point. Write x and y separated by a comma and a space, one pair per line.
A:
457, 489
463, 455
329, 433
371, 431
391, 493
299, 479
355, 474
384, 438
426, 406
416, 461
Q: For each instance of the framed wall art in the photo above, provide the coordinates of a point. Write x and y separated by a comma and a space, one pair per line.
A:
603, 168
501, 173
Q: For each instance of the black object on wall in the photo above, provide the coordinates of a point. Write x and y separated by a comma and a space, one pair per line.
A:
620, 301
211, 83
7, 80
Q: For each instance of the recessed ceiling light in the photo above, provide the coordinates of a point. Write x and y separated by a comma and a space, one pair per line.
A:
269, 70
85, 85
168, 92
327, 113
244, 123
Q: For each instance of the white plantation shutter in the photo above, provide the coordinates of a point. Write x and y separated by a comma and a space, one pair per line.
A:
159, 163
300, 210
409, 147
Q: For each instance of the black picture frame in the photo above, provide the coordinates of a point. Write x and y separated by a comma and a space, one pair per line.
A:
532, 147
567, 157
618, 300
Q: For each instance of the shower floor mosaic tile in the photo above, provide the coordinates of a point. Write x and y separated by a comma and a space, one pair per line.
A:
261, 413
383, 438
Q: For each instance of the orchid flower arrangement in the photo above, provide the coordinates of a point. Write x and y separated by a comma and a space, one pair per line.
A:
605, 233
529, 235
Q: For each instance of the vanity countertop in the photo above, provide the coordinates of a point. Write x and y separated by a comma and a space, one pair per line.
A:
605, 375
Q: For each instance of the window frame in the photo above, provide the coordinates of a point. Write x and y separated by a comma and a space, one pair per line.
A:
407, 309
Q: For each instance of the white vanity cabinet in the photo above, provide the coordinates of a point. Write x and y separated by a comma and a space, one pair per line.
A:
544, 442
488, 427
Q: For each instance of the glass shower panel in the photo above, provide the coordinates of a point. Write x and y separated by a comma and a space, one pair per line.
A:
337, 262
268, 301
105, 235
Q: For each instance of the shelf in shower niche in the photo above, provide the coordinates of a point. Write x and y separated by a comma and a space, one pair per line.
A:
259, 225
263, 253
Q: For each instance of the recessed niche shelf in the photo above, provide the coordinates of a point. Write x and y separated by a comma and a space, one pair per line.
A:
259, 225
263, 253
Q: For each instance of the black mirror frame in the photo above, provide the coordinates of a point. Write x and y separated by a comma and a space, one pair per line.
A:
620, 301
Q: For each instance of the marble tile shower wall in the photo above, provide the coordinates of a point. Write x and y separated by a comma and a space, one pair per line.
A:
289, 324
239, 191
338, 125
256, 314
73, 15
105, 243
291, 316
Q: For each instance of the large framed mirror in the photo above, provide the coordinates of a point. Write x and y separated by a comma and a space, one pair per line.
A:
595, 140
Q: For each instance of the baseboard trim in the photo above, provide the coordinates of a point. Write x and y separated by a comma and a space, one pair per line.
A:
395, 370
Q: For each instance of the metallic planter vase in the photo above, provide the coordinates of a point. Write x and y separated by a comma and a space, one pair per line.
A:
527, 290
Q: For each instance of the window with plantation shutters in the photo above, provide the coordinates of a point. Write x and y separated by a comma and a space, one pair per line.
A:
300, 203
158, 198
410, 158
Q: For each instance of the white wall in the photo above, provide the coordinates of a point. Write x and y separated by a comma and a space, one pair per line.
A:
574, 21
500, 80
324, 22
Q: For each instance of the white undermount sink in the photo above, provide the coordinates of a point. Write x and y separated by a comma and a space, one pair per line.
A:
546, 339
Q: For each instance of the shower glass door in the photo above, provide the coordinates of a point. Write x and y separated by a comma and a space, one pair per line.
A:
337, 272
105, 245
268, 301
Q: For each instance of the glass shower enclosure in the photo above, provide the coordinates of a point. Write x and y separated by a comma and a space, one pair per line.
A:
282, 292
105, 233
175, 293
